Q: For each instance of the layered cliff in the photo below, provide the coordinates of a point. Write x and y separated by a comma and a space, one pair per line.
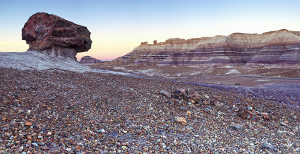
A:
276, 48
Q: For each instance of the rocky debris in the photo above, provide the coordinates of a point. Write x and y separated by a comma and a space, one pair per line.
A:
107, 113
274, 48
195, 96
178, 94
181, 120
28, 123
237, 127
88, 60
165, 93
269, 147
218, 104
189, 113
55, 36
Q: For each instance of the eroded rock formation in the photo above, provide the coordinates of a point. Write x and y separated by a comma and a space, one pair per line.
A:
55, 36
87, 60
274, 48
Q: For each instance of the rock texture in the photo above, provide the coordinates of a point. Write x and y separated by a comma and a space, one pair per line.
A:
55, 36
87, 60
274, 48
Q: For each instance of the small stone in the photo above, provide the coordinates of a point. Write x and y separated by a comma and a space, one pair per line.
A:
35, 144
265, 115
181, 120
218, 104
165, 93
189, 113
29, 137
284, 124
236, 127
28, 123
68, 149
124, 148
46, 148
195, 96
269, 147
184, 91
101, 131
192, 101
286, 121
205, 102
146, 149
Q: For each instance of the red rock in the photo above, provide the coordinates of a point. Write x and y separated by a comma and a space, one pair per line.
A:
28, 123
29, 137
55, 36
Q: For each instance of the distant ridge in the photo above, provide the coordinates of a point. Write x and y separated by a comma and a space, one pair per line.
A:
88, 60
273, 48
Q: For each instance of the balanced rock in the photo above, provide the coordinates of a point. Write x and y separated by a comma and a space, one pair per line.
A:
55, 36
87, 60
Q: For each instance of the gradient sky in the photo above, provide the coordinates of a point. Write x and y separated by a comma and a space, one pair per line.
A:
118, 26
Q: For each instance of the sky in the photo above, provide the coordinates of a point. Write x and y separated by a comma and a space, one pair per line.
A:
118, 26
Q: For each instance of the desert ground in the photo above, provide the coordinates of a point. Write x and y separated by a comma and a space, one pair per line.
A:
57, 111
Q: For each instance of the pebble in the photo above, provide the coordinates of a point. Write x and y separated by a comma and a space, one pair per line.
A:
145, 149
237, 127
268, 146
189, 113
181, 120
165, 93
28, 123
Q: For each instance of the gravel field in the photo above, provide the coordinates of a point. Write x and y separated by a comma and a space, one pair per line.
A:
56, 111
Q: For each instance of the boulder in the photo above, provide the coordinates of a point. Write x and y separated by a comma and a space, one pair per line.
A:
87, 60
55, 36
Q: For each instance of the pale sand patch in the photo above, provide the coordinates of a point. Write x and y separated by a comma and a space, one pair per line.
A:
34, 60
233, 71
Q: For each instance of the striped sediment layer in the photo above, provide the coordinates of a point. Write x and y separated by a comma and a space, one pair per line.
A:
276, 48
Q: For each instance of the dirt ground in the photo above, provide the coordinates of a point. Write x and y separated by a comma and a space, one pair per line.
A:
228, 75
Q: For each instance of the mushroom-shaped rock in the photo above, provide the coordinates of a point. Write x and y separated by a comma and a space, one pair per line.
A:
55, 36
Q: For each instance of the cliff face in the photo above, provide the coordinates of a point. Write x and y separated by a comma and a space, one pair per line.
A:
271, 48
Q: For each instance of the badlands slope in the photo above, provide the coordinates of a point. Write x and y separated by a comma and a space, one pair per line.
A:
275, 48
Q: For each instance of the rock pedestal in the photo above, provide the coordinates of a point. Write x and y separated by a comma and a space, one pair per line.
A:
55, 36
